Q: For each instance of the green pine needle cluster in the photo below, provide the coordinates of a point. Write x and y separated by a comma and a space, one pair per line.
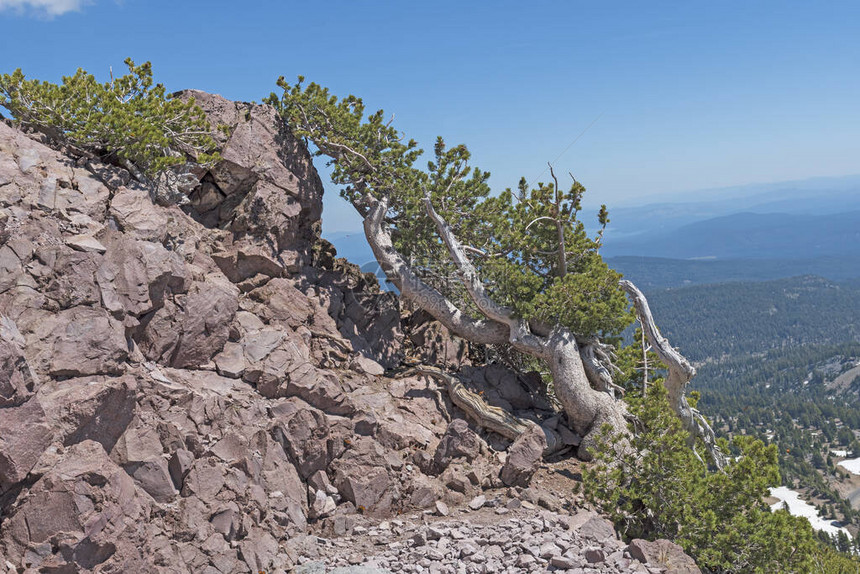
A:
128, 118
526, 271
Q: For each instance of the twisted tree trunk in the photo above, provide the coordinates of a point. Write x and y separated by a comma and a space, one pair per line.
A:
583, 384
587, 408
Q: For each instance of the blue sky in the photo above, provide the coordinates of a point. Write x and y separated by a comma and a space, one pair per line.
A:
672, 97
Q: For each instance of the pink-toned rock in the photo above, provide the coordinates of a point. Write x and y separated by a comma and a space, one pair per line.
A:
179, 465
11, 270
287, 372
17, 379
230, 362
140, 442
70, 276
86, 243
259, 344
283, 303
191, 331
321, 389
524, 457
400, 430
367, 489
227, 520
665, 554
319, 481
594, 555
371, 322
135, 277
232, 448
24, 436
90, 408
205, 479
279, 476
259, 550
321, 504
153, 477
458, 441
368, 366
248, 261
563, 562
425, 493
508, 385
434, 343
40, 178
361, 476
304, 434
5, 228
77, 342
265, 186
137, 216
594, 527
89, 511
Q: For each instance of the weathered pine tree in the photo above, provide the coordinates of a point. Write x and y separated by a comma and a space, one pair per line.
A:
529, 275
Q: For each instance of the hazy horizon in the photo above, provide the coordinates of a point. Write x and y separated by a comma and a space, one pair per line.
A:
343, 219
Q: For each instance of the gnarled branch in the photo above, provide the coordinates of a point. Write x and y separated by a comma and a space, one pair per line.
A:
477, 331
487, 416
597, 372
519, 334
679, 376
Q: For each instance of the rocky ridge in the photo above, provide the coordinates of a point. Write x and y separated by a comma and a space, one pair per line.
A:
197, 388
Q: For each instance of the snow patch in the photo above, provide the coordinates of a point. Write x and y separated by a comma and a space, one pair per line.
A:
852, 465
839, 452
798, 507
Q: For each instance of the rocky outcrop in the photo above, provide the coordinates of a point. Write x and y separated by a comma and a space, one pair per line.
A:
264, 171
189, 387
83, 512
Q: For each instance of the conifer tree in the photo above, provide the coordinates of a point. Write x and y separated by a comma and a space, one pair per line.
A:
528, 275
128, 120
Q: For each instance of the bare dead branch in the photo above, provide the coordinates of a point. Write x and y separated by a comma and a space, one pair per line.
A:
679, 376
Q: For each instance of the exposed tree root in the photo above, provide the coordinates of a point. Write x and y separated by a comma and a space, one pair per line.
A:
484, 415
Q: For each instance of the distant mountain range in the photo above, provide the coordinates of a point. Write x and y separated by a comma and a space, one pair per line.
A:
656, 273
819, 196
750, 236
746, 233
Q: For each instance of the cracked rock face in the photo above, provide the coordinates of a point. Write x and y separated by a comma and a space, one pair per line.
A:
181, 390
178, 385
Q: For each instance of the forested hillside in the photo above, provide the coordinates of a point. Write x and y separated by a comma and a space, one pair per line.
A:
741, 318
803, 399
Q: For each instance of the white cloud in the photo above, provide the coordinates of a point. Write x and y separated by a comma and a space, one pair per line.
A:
48, 8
